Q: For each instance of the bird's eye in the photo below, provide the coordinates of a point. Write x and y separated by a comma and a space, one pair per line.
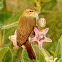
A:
30, 11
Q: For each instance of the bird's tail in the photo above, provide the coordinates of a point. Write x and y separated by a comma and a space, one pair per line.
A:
30, 51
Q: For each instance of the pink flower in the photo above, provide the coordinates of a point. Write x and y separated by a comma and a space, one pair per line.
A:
13, 38
40, 37
42, 22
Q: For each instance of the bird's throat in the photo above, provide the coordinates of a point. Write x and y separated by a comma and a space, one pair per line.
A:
32, 15
36, 15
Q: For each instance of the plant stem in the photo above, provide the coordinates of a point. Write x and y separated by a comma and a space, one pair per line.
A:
38, 4
0, 38
44, 52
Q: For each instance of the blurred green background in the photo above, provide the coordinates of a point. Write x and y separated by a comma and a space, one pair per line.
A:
10, 11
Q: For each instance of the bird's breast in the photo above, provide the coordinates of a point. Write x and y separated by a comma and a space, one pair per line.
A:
24, 28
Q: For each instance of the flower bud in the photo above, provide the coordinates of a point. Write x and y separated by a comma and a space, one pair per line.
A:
42, 22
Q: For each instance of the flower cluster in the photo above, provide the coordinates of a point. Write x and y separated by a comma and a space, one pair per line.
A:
40, 36
13, 38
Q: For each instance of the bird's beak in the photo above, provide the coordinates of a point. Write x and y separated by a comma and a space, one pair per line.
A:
36, 11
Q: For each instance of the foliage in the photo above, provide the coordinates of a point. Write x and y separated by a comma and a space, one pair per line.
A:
58, 52
4, 17
5, 55
51, 10
1, 5
39, 55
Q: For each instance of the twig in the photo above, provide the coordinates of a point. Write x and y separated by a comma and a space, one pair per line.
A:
38, 4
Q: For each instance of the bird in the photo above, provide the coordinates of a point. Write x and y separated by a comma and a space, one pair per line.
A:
26, 24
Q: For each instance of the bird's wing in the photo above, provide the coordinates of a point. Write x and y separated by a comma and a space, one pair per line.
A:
25, 27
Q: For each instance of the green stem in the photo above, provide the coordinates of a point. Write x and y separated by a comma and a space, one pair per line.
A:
0, 38
44, 53
46, 56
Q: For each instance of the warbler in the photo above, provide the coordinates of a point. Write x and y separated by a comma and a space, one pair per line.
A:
26, 25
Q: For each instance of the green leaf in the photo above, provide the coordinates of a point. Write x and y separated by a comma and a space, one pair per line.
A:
4, 17
18, 55
13, 20
60, 60
1, 5
58, 52
3, 52
48, 54
9, 27
39, 55
7, 57
49, 5
60, 40
17, 59
45, 1
25, 57
59, 4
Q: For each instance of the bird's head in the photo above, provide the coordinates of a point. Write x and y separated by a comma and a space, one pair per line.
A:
29, 11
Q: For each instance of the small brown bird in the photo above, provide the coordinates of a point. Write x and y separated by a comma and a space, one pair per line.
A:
25, 26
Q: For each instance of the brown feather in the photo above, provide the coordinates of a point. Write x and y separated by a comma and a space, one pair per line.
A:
30, 50
24, 29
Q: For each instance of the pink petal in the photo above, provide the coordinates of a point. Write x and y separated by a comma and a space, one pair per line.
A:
47, 40
15, 44
33, 39
15, 32
36, 31
13, 38
40, 44
45, 31
42, 22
